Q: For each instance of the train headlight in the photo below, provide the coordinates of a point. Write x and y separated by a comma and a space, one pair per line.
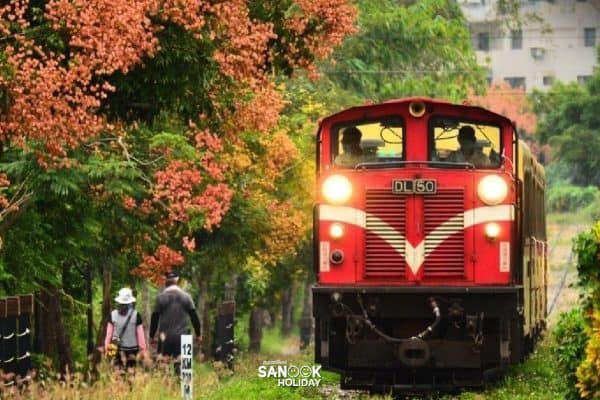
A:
492, 190
336, 230
337, 189
492, 230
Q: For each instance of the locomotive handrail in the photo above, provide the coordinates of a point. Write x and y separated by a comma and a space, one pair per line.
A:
504, 159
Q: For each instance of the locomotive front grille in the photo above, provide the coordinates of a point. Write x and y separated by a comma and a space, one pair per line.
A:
385, 229
444, 231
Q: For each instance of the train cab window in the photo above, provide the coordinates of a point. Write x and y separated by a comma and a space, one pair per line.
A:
456, 143
368, 144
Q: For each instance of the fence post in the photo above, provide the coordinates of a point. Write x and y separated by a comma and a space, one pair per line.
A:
24, 334
15, 337
224, 333
3, 352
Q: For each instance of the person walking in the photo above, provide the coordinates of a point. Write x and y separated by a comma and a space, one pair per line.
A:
172, 311
124, 332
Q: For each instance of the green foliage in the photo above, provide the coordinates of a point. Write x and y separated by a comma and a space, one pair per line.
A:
568, 120
587, 248
177, 79
72, 220
423, 48
588, 373
179, 145
563, 198
557, 173
569, 341
592, 211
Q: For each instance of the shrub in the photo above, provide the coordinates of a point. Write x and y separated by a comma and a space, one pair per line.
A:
592, 211
564, 198
569, 348
587, 247
588, 373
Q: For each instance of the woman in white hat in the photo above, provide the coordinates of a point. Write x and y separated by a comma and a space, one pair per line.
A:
125, 329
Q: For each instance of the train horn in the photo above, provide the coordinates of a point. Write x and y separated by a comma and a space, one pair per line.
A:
416, 109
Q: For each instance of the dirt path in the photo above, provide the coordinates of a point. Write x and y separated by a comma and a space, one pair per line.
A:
562, 273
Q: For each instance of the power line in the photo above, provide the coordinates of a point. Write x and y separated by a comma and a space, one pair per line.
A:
419, 71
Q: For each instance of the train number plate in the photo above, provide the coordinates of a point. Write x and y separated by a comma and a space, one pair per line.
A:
416, 186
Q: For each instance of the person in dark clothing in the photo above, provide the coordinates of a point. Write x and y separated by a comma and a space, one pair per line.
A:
468, 151
170, 318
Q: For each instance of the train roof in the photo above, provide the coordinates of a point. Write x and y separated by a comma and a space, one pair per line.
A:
407, 100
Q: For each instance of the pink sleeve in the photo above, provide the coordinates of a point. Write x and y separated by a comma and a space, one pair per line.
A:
140, 337
109, 333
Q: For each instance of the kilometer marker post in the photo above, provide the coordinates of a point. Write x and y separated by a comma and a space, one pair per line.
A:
186, 374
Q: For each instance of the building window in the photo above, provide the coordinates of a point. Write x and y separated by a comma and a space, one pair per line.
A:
483, 41
537, 52
516, 40
548, 80
515, 81
589, 37
583, 79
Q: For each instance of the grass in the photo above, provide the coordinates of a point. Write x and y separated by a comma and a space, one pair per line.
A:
580, 216
534, 379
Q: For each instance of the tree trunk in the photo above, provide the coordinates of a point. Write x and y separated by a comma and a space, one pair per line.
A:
306, 322
90, 311
52, 339
287, 311
225, 324
63, 344
45, 335
230, 288
106, 308
145, 309
255, 329
203, 307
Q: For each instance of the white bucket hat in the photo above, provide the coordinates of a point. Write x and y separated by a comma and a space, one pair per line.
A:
125, 296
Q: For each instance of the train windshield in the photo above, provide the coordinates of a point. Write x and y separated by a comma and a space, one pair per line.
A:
456, 143
368, 144
460, 143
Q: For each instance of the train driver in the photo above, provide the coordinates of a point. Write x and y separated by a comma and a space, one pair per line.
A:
353, 153
469, 151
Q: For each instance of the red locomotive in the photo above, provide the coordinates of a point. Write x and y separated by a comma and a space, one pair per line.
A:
430, 246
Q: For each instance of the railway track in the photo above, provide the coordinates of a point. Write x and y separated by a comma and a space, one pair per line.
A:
562, 271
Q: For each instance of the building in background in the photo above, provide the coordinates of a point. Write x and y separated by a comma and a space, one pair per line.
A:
532, 57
